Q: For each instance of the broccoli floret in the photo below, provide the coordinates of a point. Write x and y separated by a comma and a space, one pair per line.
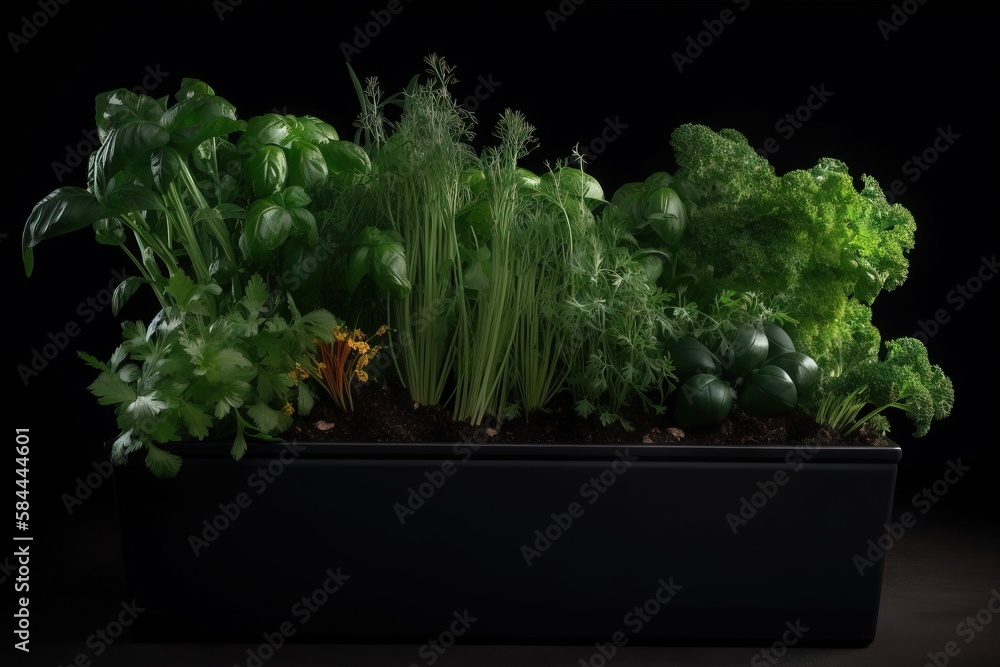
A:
905, 378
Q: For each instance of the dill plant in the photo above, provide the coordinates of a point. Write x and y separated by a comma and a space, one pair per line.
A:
491, 310
612, 317
417, 186
538, 368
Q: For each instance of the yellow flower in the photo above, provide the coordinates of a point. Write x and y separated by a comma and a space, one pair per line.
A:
288, 410
357, 335
361, 375
381, 330
321, 366
298, 373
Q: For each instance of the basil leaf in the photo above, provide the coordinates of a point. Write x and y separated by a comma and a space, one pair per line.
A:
267, 171
63, 211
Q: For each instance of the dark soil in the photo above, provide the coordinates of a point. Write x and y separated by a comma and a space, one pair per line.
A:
386, 413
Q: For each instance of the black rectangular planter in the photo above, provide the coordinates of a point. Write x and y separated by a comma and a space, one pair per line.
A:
509, 543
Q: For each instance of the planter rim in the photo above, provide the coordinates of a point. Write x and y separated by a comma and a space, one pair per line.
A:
548, 451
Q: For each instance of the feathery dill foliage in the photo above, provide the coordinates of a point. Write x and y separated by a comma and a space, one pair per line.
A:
717, 323
494, 300
518, 292
538, 365
613, 320
417, 181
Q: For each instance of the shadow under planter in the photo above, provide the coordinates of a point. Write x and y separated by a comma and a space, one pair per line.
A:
562, 544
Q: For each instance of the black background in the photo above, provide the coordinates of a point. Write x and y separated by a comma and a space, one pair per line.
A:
892, 92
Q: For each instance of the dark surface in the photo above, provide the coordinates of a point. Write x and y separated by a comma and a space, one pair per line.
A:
893, 92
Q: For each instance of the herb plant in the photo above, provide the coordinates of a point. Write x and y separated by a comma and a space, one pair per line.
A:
500, 288
760, 370
338, 364
168, 187
614, 319
905, 379
188, 374
822, 251
808, 236
418, 188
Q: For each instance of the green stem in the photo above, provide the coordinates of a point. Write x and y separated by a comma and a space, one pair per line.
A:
868, 417
191, 244
218, 231
146, 275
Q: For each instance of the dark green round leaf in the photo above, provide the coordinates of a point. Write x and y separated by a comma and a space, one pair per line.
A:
749, 350
800, 367
63, 211
652, 266
293, 197
778, 342
627, 192
389, 269
663, 210
192, 87
357, 267
345, 157
262, 130
527, 180
769, 392
267, 171
124, 106
687, 191
690, 357
306, 165
702, 400
669, 229
657, 180
569, 182
475, 219
164, 165
132, 197
313, 130
267, 227
304, 224
628, 199
123, 145
370, 236
197, 119
473, 179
